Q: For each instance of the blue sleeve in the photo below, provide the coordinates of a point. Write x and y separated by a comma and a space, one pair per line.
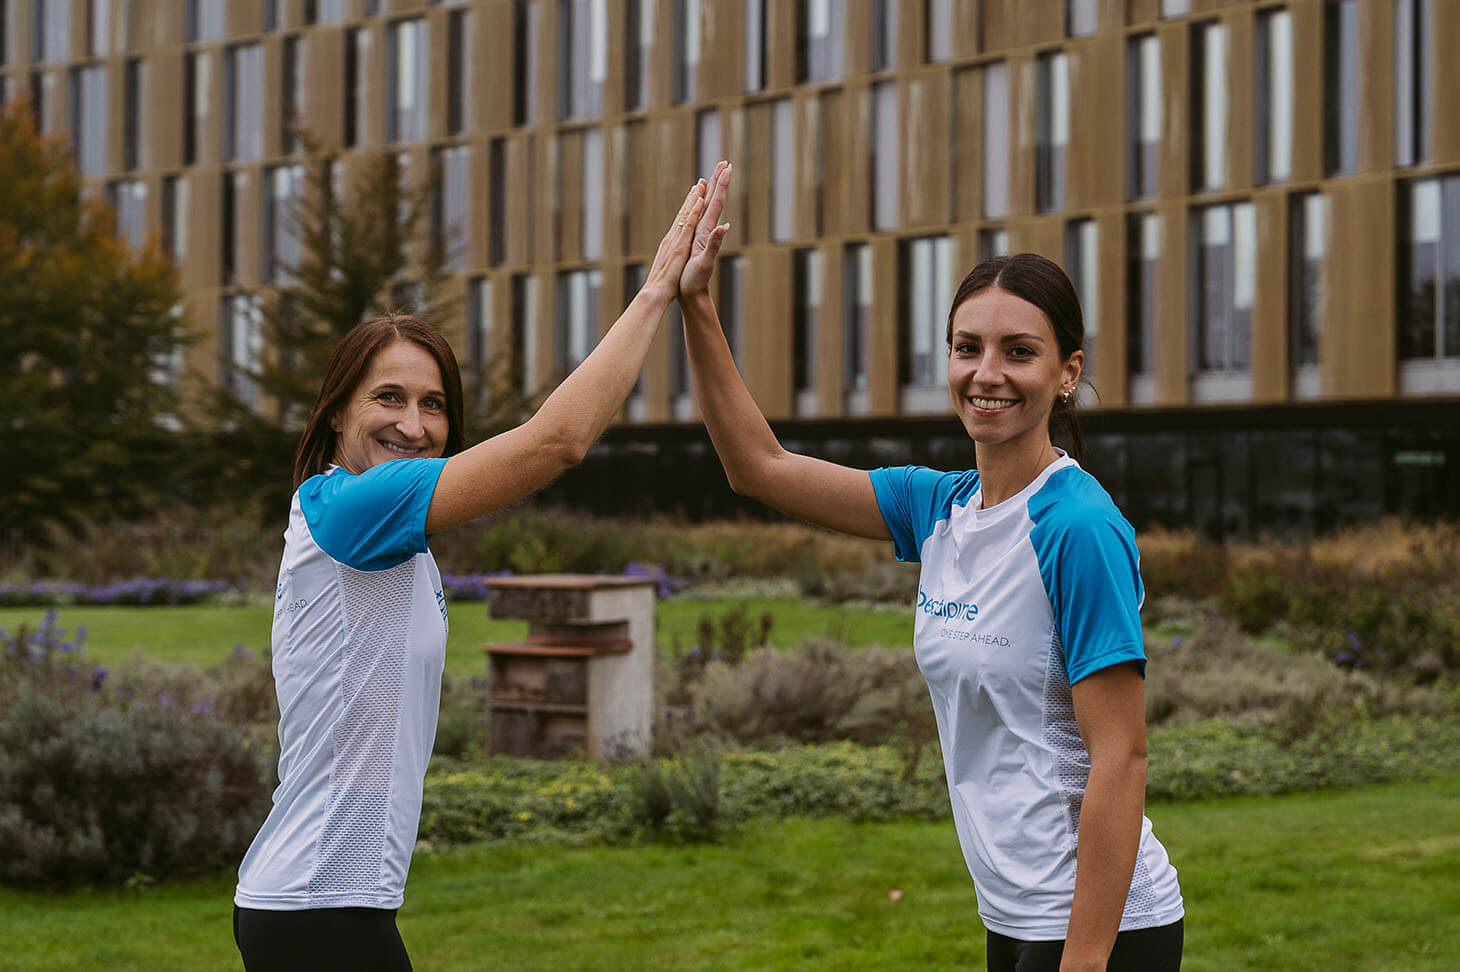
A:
375, 520
1091, 570
913, 499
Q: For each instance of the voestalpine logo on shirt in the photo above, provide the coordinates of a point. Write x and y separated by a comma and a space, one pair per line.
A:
952, 610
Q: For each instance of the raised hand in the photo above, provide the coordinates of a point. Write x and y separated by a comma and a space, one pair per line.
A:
664, 272
709, 234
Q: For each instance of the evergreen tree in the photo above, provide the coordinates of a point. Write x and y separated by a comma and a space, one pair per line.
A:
88, 338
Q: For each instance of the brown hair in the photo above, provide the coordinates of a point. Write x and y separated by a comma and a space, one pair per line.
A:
348, 364
1041, 282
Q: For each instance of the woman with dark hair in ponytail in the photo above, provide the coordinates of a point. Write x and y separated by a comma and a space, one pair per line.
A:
1028, 625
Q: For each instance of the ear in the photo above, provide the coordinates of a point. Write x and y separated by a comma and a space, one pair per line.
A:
1074, 368
335, 422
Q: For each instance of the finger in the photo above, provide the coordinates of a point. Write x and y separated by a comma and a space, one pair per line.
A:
707, 221
689, 199
712, 245
719, 192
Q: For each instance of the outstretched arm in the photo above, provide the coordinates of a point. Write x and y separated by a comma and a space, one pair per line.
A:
812, 489
510, 466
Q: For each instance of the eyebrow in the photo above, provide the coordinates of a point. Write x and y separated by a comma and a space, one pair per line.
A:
1008, 337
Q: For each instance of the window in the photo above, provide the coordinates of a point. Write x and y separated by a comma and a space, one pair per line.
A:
707, 142
280, 257
197, 94
1143, 115
1143, 242
577, 325
99, 28
927, 281
292, 113
240, 344
88, 119
1209, 107
357, 86
857, 305
1341, 86
995, 141
939, 24
583, 31
1273, 112
993, 241
497, 201
886, 144
324, 11
1224, 285
451, 212
51, 22
1309, 224
1429, 281
634, 276
407, 81
593, 201
129, 202
175, 211
686, 61
526, 15
1052, 130
820, 35
243, 88
1175, 8
882, 42
460, 84
235, 184
639, 48
41, 83
783, 170
806, 294
1082, 257
202, 20
1412, 20
479, 333
524, 332
4, 48
732, 297
1081, 17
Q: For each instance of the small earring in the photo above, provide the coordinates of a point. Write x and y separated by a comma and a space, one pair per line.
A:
1069, 395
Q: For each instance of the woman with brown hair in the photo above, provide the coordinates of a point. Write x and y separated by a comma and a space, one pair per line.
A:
1028, 625
359, 634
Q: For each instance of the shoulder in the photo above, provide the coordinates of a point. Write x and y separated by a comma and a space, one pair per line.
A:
387, 482
921, 485
1073, 504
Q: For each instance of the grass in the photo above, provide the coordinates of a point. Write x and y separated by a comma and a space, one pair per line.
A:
203, 634
1359, 879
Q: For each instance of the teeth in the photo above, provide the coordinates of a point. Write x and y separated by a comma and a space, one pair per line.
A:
395, 448
990, 403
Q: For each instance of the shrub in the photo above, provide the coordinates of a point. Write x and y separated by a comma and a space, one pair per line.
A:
678, 798
461, 727
817, 692
104, 779
880, 581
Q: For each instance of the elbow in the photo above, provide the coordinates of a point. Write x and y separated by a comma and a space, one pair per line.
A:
565, 449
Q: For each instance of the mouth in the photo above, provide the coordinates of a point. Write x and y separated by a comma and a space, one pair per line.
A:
990, 404
396, 449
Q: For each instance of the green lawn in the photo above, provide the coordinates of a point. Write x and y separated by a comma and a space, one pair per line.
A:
202, 634
1349, 880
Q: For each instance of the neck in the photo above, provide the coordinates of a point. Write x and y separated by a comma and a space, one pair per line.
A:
1007, 467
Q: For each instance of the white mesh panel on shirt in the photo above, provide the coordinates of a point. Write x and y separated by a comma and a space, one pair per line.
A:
357, 818
1062, 736
1072, 767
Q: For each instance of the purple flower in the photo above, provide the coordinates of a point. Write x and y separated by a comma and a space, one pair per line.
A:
98, 676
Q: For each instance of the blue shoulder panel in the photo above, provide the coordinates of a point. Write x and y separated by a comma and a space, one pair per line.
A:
375, 520
914, 498
1091, 570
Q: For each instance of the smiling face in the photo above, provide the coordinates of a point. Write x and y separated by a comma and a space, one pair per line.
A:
397, 411
1005, 369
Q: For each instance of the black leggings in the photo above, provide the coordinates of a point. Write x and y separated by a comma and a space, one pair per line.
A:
1140, 950
358, 939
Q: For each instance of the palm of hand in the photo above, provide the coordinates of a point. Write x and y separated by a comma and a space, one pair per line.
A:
705, 246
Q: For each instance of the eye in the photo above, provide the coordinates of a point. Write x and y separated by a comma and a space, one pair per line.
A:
1021, 351
389, 397
964, 347
432, 403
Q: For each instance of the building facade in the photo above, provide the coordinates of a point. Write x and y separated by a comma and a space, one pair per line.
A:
1259, 203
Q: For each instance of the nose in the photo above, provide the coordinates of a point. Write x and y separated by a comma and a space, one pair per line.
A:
988, 371
409, 424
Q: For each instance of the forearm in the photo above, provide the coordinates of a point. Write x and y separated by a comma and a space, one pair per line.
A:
1110, 833
739, 431
578, 411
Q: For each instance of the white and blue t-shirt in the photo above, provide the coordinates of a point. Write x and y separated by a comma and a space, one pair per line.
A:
1016, 603
359, 646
